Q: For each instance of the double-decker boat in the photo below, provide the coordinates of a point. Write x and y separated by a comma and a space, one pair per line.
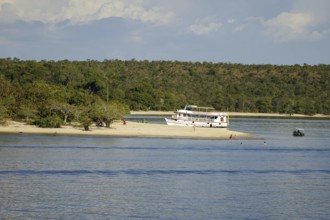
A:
193, 115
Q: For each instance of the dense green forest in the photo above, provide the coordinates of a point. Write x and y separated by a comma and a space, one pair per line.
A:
61, 90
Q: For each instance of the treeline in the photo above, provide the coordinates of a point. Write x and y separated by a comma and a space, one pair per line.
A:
33, 89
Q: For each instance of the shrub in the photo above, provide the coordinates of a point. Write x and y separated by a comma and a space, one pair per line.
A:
49, 122
3, 114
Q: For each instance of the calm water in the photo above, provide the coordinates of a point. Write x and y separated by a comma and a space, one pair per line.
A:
275, 176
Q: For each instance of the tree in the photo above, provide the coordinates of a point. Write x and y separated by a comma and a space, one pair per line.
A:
40, 94
264, 104
3, 114
51, 121
26, 110
108, 112
28, 87
7, 98
83, 116
64, 109
142, 97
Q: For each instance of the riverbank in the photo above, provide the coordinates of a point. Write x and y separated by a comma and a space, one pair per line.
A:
239, 114
131, 129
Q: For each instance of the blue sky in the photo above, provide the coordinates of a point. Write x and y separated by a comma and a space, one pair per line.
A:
233, 31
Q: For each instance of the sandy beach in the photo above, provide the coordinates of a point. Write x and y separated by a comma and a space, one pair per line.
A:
134, 129
131, 129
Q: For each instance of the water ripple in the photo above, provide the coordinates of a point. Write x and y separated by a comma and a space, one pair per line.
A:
212, 148
157, 172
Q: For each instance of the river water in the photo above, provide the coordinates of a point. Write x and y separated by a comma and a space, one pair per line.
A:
273, 176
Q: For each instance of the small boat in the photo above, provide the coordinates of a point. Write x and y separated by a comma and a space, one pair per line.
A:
298, 132
193, 115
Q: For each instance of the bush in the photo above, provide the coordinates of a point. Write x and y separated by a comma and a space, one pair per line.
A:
49, 122
85, 122
3, 114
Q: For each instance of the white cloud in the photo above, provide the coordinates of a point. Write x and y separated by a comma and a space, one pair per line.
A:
318, 8
239, 28
7, 12
80, 11
204, 29
291, 26
86, 10
231, 20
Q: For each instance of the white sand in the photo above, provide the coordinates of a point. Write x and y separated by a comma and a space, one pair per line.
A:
131, 129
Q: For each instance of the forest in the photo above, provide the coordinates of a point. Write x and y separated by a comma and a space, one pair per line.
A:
50, 93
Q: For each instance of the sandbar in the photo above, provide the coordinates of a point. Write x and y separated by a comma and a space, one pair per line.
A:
239, 114
131, 129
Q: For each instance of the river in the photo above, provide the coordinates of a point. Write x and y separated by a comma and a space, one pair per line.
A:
273, 176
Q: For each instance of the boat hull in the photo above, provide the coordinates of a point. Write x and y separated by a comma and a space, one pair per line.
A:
180, 122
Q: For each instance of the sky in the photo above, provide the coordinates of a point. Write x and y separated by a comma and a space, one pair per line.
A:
279, 32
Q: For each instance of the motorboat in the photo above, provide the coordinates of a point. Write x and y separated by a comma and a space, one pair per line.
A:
298, 132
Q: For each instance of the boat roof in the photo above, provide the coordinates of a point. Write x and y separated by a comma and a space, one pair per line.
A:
198, 107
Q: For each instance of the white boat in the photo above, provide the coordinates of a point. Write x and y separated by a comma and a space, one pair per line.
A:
192, 115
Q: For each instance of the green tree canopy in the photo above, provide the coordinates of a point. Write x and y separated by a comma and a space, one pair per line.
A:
29, 89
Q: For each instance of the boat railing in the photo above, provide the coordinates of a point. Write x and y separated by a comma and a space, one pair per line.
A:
205, 118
